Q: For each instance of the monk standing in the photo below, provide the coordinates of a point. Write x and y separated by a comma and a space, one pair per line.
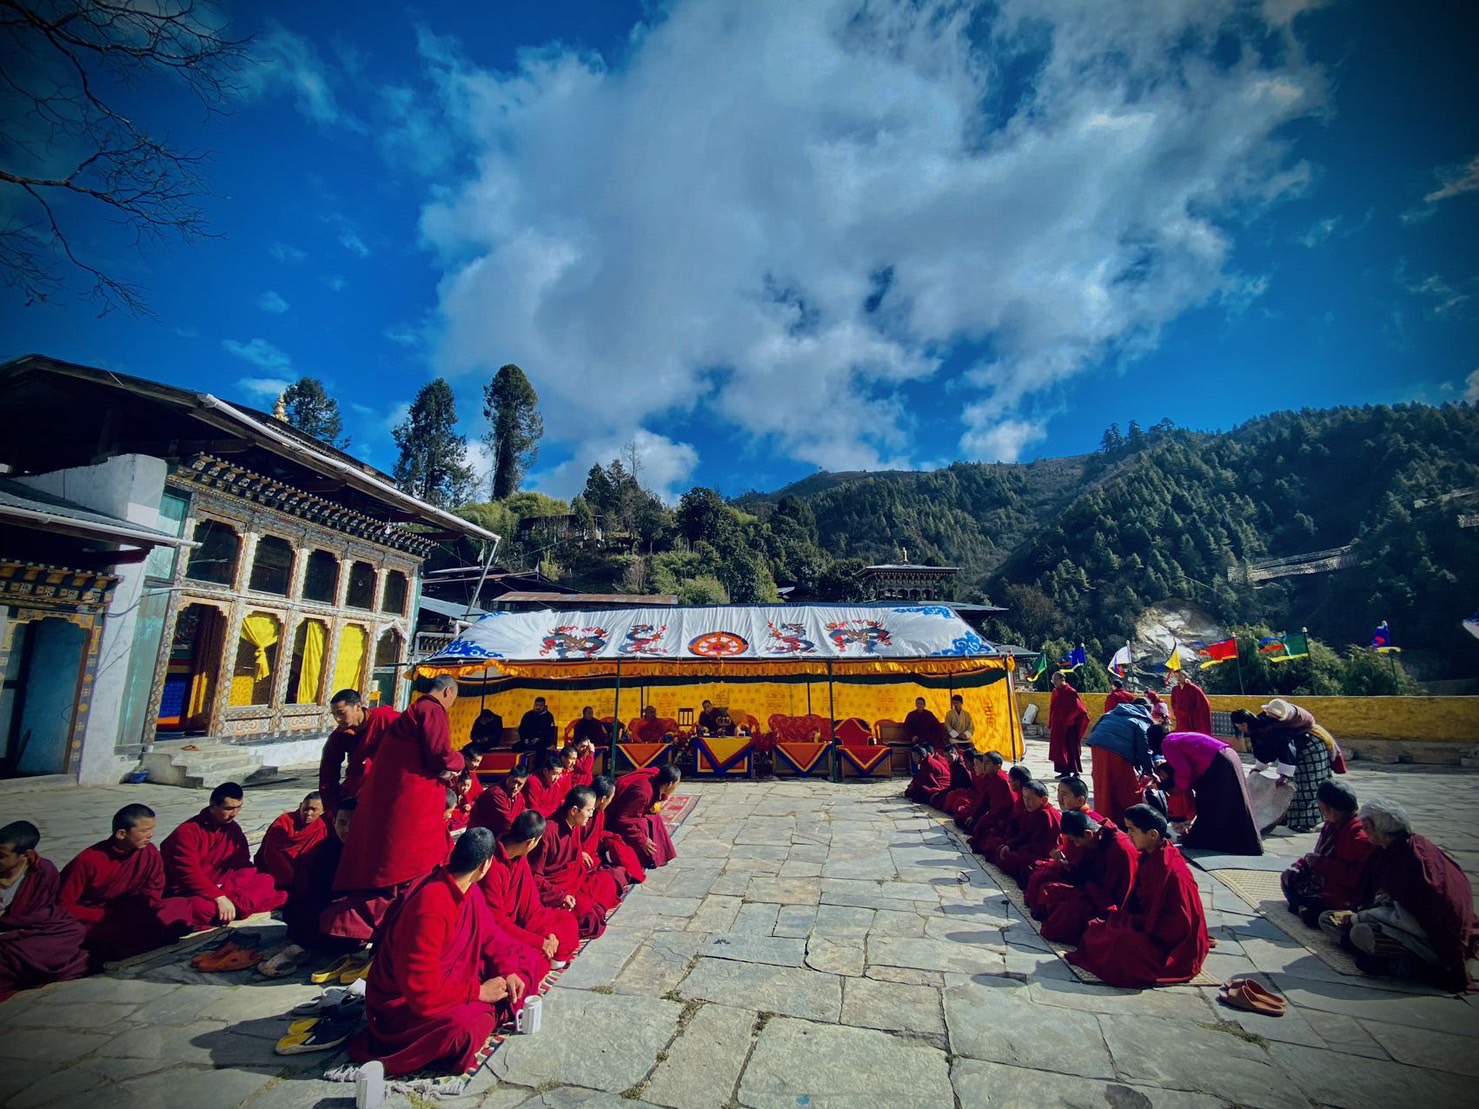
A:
635, 817
289, 836
1068, 720
354, 739
116, 889
207, 860
426, 1001
399, 834
40, 941
1190, 706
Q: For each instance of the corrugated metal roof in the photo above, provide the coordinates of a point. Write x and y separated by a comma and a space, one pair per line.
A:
589, 598
21, 502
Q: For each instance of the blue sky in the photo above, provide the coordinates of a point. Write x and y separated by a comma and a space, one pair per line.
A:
761, 239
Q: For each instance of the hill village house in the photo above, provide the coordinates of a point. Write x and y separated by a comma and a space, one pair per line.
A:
174, 566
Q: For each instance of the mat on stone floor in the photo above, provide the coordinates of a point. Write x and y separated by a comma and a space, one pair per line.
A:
1261, 890
677, 808
192, 942
1014, 894
1204, 859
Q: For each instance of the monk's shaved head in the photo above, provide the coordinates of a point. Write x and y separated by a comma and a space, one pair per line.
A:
20, 836
473, 851
125, 818
528, 825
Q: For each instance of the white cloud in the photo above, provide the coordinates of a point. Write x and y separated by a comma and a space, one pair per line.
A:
285, 62
336, 283
284, 252
1457, 180
404, 335
272, 301
802, 208
1319, 231
351, 242
1471, 388
265, 388
663, 465
260, 353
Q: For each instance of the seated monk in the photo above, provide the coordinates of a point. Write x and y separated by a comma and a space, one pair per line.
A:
207, 860
649, 729
312, 890
993, 830
513, 895
962, 799
498, 807
962, 784
923, 728
599, 843
40, 941
583, 771
932, 780
635, 817
1160, 936
544, 791
1099, 879
1330, 876
590, 730
116, 889
563, 879
427, 1003
993, 792
1073, 796
289, 836
1035, 836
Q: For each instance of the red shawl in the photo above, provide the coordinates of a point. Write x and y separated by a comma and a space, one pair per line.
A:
40, 941
543, 797
1417, 874
1118, 697
284, 842
118, 895
1340, 858
931, 780
358, 746
497, 808
1192, 710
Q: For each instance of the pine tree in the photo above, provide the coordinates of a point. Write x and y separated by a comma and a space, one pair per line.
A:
433, 462
511, 407
312, 411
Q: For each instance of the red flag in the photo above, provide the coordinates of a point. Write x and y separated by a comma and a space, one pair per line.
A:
1214, 654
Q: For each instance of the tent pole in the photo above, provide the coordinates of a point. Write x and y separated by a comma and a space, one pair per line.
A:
831, 720
615, 719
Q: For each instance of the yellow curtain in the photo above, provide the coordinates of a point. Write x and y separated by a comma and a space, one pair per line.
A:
351, 657
260, 630
311, 672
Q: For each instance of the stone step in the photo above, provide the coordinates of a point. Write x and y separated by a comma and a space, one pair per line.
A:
206, 768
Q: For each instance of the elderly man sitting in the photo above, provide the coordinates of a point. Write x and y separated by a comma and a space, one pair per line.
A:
1417, 909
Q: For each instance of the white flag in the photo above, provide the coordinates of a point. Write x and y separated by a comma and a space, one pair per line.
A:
1122, 658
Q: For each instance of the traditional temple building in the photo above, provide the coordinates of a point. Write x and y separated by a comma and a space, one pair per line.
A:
906, 581
226, 573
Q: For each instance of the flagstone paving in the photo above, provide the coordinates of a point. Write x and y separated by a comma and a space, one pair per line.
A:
814, 944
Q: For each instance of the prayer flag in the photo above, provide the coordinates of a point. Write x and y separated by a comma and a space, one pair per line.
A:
1040, 667
1123, 660
1471, 625
1271, 645
1215, 654
1076, 657
1381, 640
1174, 662
1296, 646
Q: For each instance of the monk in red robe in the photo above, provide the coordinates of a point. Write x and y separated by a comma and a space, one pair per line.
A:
513, 894
924, 729
1068, 721
600, 843
993, 792
207, 860
1035, 837
1073, 796
993, 828
634, 815
559, 871
962, 798
400, 831
1098, 880
116, 890
498, 807
1190, 705
1160, 937
583, 773
545, 789
428, 1005
288, 837
1119, 695
468, 788
353, 741
1333, 874
932, 780
40, 941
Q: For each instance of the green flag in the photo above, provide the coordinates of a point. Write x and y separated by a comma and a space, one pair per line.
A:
1296, 645
1040, 667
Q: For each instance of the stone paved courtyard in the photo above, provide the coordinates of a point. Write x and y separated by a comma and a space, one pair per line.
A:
813, 945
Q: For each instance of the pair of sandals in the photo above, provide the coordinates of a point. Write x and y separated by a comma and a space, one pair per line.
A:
325, 1022
235, 952
1250, 996
346, 970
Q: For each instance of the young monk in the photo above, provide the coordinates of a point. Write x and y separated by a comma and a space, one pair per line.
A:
993, 793
290, 835
993, 830
400, 833
1098, 880
544, 791
40, 941
583, 773
354, 740
1073, 796
312, 890
1036, 834
513, 895
116, 889
560, 873
598, 846
498, 807
1160, 936
207, 860
426, 1000
635, 818
932, 780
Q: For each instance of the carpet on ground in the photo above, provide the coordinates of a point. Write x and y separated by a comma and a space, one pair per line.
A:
1262, 891
677, 808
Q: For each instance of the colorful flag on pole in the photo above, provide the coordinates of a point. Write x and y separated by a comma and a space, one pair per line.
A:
1040, 667
1381, 640
1215, 654
1296, 645
1075, 658
1271, 645
1123, 660
1174, 662
1471, 625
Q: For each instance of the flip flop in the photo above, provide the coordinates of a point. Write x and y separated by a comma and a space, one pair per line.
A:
284, 963
356, 973
332, 972
321, 1035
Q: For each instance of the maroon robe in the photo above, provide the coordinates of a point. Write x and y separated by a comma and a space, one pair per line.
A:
1191, 708
989, 840
513, 899
543, 798
1068, 721
469, 789
1100, 881
1054, 870
931, 781
312, 892
559, 872
284, 842
1035, 838
1118, 697
609, 851
1116, 783
630, 817
421, 998
400, 831
962, 800
204, 860
584, 772
40, 941
1340, 858
1160, 937
1416, 874
993, 804
117, 893
923, 726
357, 745
497, 809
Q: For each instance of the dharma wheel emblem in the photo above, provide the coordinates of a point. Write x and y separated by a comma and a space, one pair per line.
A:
719, 645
